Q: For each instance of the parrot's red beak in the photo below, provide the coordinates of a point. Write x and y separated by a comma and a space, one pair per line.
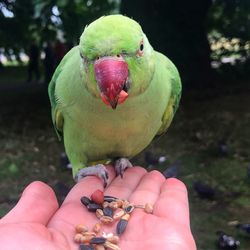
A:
112, 77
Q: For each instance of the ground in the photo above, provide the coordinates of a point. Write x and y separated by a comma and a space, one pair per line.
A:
208, 141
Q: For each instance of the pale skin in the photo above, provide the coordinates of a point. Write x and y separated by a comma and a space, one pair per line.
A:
37, 222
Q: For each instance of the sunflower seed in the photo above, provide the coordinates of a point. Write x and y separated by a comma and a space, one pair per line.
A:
85, 201
92, 207
107, 211
109, 198
121, 226
98, 240
85, 247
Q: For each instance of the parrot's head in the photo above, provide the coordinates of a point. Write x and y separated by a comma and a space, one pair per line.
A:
117, 59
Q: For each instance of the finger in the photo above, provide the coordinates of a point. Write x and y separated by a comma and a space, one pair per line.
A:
173, 202
149, 188
72, 212
124, 187
37, 204
87, 186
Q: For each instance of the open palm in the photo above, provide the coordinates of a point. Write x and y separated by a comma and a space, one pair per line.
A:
37, 223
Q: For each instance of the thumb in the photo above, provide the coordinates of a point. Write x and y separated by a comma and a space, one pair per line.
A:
37, 204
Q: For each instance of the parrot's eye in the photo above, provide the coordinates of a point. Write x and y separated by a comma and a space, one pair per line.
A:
140, 50
141, 47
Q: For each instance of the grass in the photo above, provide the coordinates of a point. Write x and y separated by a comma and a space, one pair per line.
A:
206, 119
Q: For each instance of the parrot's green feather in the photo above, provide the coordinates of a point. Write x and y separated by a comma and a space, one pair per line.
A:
99, 32
92, 131
57, 116
175, 83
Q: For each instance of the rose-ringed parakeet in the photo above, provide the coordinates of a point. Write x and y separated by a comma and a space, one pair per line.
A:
111, 96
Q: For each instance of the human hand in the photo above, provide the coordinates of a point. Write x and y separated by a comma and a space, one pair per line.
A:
37, 223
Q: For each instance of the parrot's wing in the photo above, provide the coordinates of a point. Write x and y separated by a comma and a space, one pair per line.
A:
57, 115
175, 83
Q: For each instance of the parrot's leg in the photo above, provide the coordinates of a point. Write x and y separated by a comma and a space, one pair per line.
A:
121, 165
98, 170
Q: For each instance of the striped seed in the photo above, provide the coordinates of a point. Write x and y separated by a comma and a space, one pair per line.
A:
99, 213
106, 219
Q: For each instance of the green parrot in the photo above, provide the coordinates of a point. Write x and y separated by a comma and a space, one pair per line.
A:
111, 95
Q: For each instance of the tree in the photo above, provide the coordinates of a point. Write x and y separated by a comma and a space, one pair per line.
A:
231, 18
42, 20
74, 15
178, 29
229, 21
15, 27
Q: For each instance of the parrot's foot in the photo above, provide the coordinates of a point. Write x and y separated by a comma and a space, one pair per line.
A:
97, 170
121, 165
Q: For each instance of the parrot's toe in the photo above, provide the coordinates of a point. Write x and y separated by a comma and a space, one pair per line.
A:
97, 170
121, 165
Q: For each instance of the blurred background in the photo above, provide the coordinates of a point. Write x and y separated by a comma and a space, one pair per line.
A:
208, 143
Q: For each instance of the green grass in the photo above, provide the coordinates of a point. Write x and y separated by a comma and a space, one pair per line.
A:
30, 151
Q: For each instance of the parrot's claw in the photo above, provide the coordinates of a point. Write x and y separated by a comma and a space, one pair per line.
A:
97, 170
121, 165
